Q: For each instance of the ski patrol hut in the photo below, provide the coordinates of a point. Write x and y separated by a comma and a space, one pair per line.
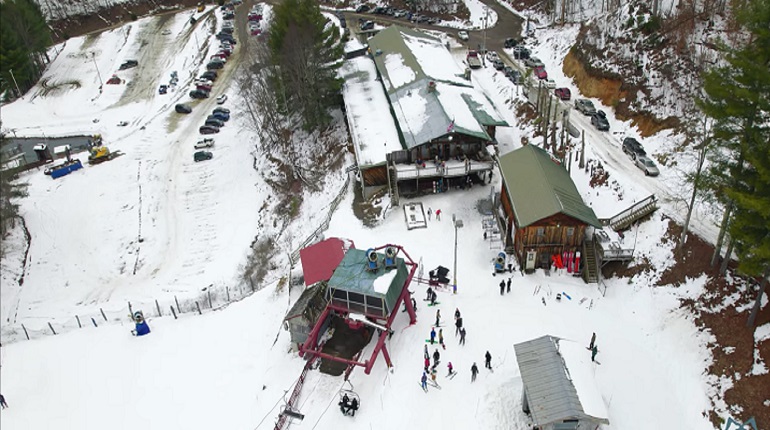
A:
559, 390
542, 210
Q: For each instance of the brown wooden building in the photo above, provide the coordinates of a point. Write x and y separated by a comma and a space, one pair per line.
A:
541, 208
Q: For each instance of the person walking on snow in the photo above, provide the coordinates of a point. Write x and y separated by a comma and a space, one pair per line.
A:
593, 339
430, 212
502, 287
474, 371
457, 313
488, 358
462, 336
451, 369
424, 381
438, 214
429, 292
2, 402
508, 285
458, 325
441, 337
425, 352
432, 335
594, 350
436, 358
438, 317
427, 363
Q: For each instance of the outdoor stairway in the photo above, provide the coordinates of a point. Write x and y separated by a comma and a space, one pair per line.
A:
393, 185
590, 264
636, 212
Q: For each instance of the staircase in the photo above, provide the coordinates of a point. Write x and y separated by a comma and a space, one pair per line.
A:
393, 182
590, 263
636, 212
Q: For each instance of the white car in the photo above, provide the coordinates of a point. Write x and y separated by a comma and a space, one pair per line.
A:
463, 35
222, 99
648, 166
492, 56
205, 143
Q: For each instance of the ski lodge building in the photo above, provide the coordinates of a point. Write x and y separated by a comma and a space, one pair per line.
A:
417, 123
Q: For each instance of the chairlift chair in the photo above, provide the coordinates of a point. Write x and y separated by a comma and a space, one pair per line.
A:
351, 395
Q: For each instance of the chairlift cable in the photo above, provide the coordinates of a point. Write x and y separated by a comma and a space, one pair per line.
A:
327, 408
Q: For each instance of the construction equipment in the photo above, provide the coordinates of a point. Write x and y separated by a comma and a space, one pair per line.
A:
98, 153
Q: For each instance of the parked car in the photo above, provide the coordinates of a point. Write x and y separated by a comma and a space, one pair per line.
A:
541, 73
599, 120
399, 13
203, 87
498, 64
514, 77
208, 129
202, 156
227, 30
204, 143
648, 166
210, 75
218, 123
492, 56
633, 148
563, 93
212, 65
222, 116
511, 42
533, 62
521, 53
463, 35
368, 25
219, 56
221, 109
379, 10
183, 108
362, 8
199, 94
585, 106
163, 89
128, 64
550, 84
222, 99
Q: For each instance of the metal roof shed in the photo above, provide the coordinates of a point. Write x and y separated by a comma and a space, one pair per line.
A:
549, 394
302, 317
373, 293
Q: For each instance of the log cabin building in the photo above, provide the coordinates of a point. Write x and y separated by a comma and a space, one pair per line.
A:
541, 210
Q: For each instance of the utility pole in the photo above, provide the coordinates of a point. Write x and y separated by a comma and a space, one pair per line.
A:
14, 82
458, 223
101, 82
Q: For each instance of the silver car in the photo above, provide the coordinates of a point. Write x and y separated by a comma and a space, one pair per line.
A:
648, 166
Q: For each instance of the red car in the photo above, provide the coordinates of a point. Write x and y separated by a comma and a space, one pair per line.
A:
203, 87
563, 93
541, 73
253, 16
221, 55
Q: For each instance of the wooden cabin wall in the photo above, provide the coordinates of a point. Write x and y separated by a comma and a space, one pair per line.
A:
377, 175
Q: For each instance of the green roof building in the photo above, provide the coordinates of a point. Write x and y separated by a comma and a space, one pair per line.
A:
545, 216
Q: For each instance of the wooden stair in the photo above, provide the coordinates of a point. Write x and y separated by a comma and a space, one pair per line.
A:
590, 262
634, 213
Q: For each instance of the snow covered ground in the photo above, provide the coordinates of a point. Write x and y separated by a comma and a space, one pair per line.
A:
227, 369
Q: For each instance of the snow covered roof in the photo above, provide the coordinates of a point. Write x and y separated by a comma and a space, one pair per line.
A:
320, 260
551, 382
372, 127
353, 277
539, 187
427, 90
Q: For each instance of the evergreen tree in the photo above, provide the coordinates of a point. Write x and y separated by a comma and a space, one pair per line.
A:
307, 55
24, 38
738, 99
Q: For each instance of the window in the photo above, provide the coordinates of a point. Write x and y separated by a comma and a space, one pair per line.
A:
570, 231
540, 232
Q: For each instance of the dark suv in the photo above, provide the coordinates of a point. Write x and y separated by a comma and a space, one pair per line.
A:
202, 155
511, 42
633, 148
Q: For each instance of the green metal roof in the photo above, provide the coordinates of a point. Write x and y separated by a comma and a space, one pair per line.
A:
352, 275
539, 187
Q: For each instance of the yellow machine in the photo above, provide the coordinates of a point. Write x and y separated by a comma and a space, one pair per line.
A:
201, 7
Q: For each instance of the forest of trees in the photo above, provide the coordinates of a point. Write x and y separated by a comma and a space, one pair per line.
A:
24, 38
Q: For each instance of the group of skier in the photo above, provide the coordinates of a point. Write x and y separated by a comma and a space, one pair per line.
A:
503, 285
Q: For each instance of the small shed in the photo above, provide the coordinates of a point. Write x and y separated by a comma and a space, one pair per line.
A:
358, 288
319, 260
302, 317
559, 390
